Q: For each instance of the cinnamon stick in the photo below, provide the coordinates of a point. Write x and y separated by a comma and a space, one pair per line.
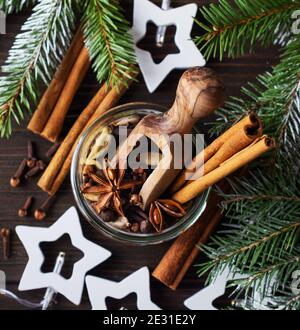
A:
240, 140
54, 175
183, 251
193, 189
207, 232
50, 97
251, 121
55, 122
66, 146
110, 100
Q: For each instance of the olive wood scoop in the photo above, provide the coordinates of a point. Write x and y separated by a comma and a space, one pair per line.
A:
200, 92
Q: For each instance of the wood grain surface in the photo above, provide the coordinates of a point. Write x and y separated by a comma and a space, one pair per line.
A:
125, 259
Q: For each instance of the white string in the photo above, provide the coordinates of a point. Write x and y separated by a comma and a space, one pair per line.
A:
22, 302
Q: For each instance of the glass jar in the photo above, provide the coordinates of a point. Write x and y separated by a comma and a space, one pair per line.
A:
194, 211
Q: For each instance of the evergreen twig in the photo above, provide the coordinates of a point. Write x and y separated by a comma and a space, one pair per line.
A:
281, 269
44, 39
287, 301
108, 40
11, 6
34, 57
236, 26
261, 236
275, 97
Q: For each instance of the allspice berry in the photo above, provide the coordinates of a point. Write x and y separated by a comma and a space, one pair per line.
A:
135, 227
145, 227
135, 199
108, 215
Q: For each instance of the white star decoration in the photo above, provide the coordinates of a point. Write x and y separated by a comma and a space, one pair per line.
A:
138, 282
203, 300
189, 55
31, 238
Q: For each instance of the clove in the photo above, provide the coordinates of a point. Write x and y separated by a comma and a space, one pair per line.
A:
31, 160
23, 211
135, 214
41, 213
52, 150
16, 179
39, 167
5, 234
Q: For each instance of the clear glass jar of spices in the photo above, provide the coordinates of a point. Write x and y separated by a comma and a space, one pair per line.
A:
135, 231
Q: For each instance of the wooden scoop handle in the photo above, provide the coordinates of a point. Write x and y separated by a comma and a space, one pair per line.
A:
200, 92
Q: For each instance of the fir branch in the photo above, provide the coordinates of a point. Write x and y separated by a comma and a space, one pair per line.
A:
259, 196
283, 300
239, 198
235, 27
108, 40
14, 6
34, 57
275, 97
290, 129
279, 271
287, 301
261, 236
244, 247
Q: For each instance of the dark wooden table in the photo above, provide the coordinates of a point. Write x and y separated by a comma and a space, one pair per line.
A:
125, 259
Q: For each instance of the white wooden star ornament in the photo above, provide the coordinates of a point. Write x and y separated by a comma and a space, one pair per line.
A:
138, 282
203, 300
31, 238
189, 55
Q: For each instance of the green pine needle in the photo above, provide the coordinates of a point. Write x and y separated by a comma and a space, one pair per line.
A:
34, 57
261, 236
14, 6
281, 270
234, 27
287, 300
276, 99
45, 37
109, 41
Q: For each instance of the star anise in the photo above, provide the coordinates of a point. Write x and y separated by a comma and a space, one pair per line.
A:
109, 189
168, 206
